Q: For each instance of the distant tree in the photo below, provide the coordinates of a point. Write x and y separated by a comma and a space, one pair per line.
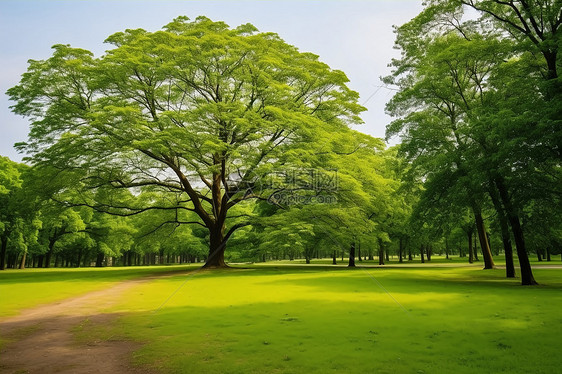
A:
60, 226
10, 182
18, 220
340, 206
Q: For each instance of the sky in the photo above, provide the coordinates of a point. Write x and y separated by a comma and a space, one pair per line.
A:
355, 36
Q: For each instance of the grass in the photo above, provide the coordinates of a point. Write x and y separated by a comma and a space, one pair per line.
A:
323, 319
453, 260
296, 320
27, 288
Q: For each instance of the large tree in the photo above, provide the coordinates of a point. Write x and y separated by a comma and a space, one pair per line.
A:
198, 112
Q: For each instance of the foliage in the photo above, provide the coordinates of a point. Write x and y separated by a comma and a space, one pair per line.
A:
471, 107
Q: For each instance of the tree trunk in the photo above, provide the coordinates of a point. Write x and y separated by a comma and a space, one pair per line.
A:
470, 250
334, 258
49, 253
429, 252
484, 245
3, 249
400, 250
475, 248
77, 260
381, 252
489, 238
23, 258
421, 253
217, 244
99, 260
352, 255
13, 261
504, 226
359, 251
548, 254
527, 278
410, 257
216, 249
508, 250
539, 257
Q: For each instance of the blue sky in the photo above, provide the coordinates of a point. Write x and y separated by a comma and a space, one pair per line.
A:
351, 35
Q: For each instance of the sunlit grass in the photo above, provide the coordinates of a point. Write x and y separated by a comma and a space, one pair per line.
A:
20, 289
453, 260
298, 320
432, 318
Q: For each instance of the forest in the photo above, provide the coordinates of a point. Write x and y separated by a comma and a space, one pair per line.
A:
202, 143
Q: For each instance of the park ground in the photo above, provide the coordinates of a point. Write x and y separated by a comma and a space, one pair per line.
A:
281, 317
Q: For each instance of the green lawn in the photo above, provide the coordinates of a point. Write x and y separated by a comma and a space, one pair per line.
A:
297, 320
435, 259
20, 289
322, 319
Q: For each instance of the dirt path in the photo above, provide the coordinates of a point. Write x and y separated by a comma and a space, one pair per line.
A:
40, 339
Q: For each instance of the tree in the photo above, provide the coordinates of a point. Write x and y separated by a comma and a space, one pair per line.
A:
493, 89
197, 111
10, 181
535, 22
59, 223
18, 222
341, 206
524, 111
364, 213
443, 83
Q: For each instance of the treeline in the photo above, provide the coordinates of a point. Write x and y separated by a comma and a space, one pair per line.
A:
369, 221
36, 230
